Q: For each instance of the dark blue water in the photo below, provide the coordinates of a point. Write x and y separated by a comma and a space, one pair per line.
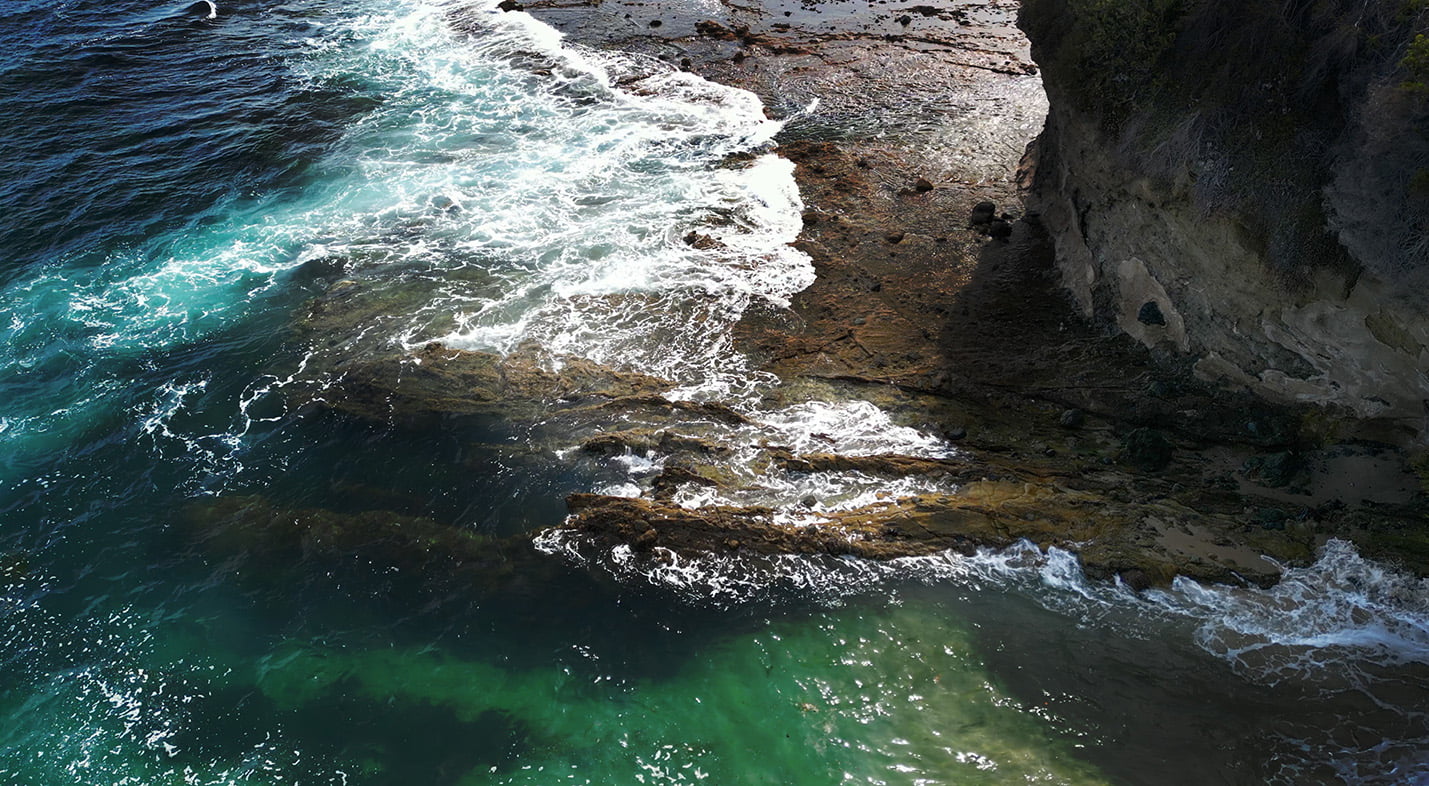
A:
125, 122
203, 582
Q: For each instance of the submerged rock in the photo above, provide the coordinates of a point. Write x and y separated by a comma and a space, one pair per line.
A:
439, 380
261, 540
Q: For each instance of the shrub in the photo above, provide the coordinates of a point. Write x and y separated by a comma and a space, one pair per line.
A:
1416, 65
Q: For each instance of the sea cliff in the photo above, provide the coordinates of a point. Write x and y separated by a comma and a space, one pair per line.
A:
1245, 188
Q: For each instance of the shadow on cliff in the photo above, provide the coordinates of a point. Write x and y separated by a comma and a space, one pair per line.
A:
1012, 331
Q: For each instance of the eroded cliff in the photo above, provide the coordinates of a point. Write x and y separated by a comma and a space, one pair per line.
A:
1246, 186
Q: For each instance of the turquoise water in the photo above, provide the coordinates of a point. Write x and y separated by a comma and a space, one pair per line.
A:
176, 189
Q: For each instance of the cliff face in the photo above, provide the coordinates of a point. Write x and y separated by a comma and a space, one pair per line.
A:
1247, 186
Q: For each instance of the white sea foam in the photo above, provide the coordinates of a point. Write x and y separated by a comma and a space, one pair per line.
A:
1342, 613
726, 580
544, 190
590, 226
849, 428
1341, 606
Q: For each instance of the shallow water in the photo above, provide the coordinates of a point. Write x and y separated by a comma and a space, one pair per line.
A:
176, 190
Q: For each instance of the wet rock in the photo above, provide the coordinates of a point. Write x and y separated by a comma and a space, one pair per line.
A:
1276, 470
845, 186
983, 214
616, 443
709, 28
1147, 449
702, 241
646, 525
646, 540
511, 5
955, 433
999, 230
1271, 518
671, 442
886, 465
1112, 537
1162, 389
672, 477
658, 405
1135, 580
1072, 418
1150, 314
644, 441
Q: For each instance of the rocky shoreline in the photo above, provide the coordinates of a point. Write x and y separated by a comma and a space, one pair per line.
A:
1098, 444
938, 298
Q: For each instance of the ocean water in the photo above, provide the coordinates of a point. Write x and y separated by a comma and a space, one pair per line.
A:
175, 189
